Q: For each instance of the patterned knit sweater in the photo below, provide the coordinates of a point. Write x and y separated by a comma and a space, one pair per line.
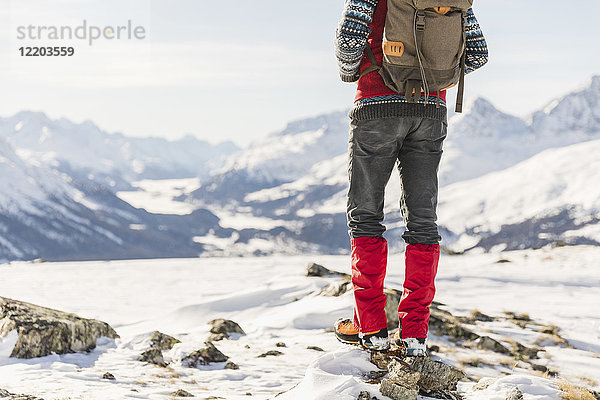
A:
363, 22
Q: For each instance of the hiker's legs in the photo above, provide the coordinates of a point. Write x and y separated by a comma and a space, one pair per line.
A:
419, 159
373, 150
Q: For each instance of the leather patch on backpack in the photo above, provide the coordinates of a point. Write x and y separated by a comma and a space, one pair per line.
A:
395, 49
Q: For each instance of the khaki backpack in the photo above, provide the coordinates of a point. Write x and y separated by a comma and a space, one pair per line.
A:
423, 47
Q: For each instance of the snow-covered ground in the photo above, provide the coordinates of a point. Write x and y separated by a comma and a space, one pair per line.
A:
273, 301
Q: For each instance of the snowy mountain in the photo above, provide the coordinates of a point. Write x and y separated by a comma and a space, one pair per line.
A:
46, 213
553, 197
481, 141
286, 193
87, 150
279, 158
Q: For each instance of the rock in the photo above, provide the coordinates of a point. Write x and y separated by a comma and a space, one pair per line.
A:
391, 307
441, 394
270, 353
365, 396
231, 365
314, 269
526, 353
316, 348
517, 317
484, 383
515, 394
403, 374
487, 343
443, 323
181, 393
215, 337
477, 315
433, 349
435, 375
336, 289
280, 344
221, 328
153, 356
109, 376
204, 356
550, 330
43, 331
383, 359
5, 395
162, 341
396, 392
375, 375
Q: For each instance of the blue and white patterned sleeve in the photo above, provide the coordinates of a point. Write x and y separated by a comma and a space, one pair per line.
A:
476, 46
351, 36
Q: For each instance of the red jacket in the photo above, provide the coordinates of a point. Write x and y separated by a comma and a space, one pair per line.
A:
371, 84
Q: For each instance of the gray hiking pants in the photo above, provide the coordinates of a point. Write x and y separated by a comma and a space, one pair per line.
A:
375, 146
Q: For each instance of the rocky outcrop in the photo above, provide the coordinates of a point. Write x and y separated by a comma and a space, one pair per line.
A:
314, 269
181, 393
515, 394
43, 331
163, 342
204, 356
408, 377
5, 395
153, 356
223, 328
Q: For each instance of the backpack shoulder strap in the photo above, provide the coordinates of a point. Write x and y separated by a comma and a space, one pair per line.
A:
374, 66
461, 83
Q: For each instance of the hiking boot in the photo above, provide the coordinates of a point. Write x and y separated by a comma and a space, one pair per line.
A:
376, 341
345, 331
413, 347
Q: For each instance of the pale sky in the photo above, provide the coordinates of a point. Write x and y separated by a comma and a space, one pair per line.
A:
238, 70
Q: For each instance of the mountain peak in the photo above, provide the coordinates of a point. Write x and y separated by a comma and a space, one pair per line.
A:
577, 111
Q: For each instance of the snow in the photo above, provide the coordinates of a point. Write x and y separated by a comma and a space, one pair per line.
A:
554, 180
7, 343
273, 301
158, 195
532, 387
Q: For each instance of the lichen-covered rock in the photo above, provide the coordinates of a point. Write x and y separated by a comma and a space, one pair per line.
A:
479, 316
443, 323
5, 395
181, 393
223, 327
403, 374
336, 289
524, 352
43, 331
365, 396
109, 376
397, 392
153, 356
515, 394
231, 365
487, 343
204, 356
435, 375
270, 353
314, 269
162, 341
